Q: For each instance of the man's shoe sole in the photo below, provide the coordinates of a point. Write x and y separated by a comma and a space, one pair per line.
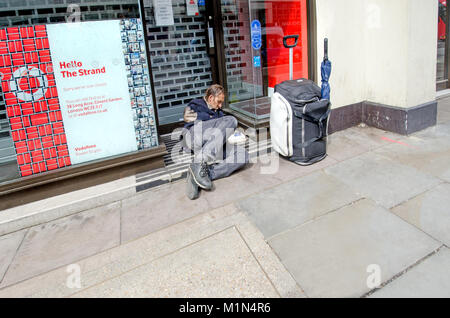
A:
200, 185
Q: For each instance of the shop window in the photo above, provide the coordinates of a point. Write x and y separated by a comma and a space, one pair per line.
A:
37, 130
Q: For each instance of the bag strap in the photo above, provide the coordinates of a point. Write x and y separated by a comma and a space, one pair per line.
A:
319, 122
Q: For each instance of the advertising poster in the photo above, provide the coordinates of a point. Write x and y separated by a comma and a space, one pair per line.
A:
76, 92
163, 12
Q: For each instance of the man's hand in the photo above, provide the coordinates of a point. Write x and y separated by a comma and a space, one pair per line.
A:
189, 115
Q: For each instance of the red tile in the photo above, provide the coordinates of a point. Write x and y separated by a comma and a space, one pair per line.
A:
44, 106
51, 162
53, 101
17, 111
56, 140
26, 121
15, 136
23, 32
47, 139
42, 166
10, 102
47, 154
32, 135
6, 72
27, 158
30, 32
30, 145
18, 45
39, 44
19, 62
22, 135
10, 111
45, 59
13, 36
44, 53
42, 131
38, 158
27, 112
16, 126
3, 48
26, 106
25, 168
12, 47
39, 119
35, 168
26, 173
21, 144
32, 130
21, 150
45, 43
5, 87
2, 34
47, 144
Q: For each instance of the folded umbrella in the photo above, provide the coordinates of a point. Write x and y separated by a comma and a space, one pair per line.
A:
326, 73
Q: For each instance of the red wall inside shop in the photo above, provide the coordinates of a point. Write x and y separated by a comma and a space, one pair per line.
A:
290, 16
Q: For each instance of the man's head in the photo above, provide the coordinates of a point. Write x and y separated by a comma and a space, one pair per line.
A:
215, 96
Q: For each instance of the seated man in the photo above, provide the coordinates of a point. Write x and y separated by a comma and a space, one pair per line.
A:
206, 133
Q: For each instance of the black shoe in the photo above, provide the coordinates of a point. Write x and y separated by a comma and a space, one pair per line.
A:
200, 174
192, 190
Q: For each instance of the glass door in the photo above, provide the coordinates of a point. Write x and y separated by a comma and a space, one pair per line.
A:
255, 57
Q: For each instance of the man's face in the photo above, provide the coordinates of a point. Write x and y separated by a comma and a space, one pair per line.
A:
216, 102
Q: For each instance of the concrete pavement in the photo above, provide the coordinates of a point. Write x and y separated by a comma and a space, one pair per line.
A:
371, 220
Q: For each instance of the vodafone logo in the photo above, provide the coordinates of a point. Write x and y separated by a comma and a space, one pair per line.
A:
28, 84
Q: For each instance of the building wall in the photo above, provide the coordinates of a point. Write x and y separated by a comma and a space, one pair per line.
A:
340, 21
383, 51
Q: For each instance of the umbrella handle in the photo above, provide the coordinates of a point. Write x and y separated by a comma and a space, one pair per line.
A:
325, 46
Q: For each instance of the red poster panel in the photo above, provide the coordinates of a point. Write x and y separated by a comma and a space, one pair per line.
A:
31, 98
288, 17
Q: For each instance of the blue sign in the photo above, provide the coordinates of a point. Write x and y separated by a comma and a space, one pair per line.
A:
257, 61
201, 2
256, 34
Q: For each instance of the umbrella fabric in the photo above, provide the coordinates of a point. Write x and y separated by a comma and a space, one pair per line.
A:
326, 73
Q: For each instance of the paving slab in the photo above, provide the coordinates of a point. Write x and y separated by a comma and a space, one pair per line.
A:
244, 183
358, 140
64, 241
429, 212
440, 131
291, 204
384, 180
219, 266
155, 209
289, 171
428, 279
9, 244
429, 155
116, 261
47, 210
329, 257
